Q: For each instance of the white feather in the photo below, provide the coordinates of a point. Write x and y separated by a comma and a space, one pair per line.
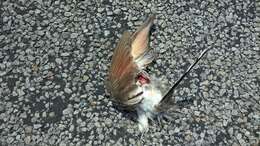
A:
151, 97
142, 121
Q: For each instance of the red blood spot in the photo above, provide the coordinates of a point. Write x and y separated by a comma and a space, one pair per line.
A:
142, 79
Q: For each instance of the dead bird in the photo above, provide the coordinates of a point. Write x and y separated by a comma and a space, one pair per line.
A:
130, 86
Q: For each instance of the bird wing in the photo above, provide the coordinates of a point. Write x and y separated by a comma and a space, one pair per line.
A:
130, 56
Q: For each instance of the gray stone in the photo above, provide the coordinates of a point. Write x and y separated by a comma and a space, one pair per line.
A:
100, 10
72, 127
23, 115
67, 111
74, 35
51, 114
106, 32
28, 129
20, 92
27, 139
117, 11
67, 14
10, 140
58, 60
65, 54
37, 126
84, 129
67, 90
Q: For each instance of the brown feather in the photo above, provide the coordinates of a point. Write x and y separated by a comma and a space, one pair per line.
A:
121, 80
140, 39
129, 54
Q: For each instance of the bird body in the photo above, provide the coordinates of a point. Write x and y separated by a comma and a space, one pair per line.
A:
126, 75
129, 85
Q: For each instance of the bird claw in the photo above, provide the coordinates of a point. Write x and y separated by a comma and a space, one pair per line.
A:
162, 117
167, 117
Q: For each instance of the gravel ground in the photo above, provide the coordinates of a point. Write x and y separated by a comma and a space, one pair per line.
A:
55, 55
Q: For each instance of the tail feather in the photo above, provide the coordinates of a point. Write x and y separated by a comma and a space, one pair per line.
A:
168, 96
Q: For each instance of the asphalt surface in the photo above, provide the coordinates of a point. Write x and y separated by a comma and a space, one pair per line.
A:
55, 56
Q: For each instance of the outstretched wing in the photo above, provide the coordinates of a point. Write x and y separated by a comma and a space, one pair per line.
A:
122, 73
131, 55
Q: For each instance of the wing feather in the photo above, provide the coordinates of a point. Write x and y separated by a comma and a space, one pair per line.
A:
121, 80
131, 55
